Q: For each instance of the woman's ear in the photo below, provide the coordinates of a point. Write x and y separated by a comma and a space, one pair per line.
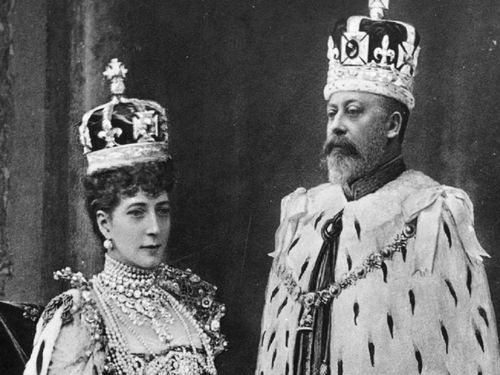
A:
103, 220
395, 124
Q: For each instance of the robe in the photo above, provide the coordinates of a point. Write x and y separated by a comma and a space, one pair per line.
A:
427, 310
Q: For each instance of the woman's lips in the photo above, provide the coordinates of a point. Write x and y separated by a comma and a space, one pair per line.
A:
151, 247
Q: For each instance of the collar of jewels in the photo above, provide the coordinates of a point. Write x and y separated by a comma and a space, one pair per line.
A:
121, 277
387, 69
145, 141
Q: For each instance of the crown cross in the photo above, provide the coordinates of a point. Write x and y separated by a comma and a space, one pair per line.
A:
378, 8
116, 72
109, 134
145, 125
115, 69
385, 55
410, 61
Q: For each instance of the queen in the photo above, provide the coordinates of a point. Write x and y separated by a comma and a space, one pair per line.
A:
137, 316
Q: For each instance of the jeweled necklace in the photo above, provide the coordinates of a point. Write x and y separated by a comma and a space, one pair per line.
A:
136, 294
133, 291
312, 299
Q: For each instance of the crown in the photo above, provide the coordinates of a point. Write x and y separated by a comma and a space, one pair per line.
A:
123, 131
373, 55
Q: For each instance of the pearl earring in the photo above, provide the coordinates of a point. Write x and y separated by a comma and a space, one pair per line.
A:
108, 244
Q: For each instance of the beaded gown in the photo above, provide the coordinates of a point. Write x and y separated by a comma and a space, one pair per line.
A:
130, 321
408, 295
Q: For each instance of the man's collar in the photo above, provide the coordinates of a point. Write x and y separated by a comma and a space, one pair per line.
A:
375, 179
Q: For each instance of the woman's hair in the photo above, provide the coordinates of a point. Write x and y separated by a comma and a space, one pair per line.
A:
104, 189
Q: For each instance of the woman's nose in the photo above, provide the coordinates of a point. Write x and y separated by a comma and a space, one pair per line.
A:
153, 226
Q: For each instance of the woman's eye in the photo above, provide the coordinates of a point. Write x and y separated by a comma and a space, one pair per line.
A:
136, 213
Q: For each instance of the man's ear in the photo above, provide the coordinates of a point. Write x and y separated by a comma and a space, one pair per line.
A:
394, 125
103, 220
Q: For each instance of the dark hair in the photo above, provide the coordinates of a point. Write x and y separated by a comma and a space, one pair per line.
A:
392, 105
104, 189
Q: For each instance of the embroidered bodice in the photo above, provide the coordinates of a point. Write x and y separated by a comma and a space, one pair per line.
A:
136, 321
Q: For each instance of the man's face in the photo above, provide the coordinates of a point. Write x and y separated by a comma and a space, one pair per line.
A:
356, 135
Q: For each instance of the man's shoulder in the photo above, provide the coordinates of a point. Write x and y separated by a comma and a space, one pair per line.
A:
422, 192
325, 190
308, 201
415, 191
411, 182
420, 182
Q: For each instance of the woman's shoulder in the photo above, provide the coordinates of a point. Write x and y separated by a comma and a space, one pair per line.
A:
75, 303
70, 332
198, 297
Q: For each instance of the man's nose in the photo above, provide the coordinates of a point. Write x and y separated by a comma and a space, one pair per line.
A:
336, 126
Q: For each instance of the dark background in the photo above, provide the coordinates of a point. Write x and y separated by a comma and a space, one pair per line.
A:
243, 83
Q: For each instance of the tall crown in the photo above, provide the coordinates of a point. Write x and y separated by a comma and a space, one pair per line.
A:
373, 55
123, 131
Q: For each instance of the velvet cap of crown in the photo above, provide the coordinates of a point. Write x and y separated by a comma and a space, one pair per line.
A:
374, 55
124, 131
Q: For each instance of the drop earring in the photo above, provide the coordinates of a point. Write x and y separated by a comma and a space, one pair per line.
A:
108, 244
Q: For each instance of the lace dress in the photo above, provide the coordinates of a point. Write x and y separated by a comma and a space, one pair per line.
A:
130, 321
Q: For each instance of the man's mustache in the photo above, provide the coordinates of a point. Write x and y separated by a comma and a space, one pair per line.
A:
347, 147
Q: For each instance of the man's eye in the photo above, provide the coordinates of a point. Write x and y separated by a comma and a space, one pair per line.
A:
331, 114
353, 111
164, 211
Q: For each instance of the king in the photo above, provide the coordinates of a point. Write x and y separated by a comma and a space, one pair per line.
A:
378, 271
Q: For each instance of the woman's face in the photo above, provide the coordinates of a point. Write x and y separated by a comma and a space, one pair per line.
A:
139, 228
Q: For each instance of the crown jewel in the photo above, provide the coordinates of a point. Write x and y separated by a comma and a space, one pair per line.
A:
378, 8
123, 131
373, 55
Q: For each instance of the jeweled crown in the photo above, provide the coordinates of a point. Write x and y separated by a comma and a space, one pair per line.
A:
123, 131
373, 55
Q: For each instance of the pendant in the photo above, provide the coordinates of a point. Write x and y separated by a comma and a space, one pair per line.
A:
324, 369
306, 319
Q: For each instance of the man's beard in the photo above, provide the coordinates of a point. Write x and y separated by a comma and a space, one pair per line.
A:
347, 161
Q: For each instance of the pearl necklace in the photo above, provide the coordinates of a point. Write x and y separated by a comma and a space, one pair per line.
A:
135, 293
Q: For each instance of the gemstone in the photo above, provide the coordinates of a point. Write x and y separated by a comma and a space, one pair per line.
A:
409, 230
194, 278
352, 49
360, 272
334, 290
206, 302
386, 253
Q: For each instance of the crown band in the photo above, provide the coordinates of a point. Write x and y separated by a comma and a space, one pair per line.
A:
127, 155
390, 83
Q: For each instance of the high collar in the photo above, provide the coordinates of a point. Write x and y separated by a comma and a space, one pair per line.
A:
375, 179
114, 269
